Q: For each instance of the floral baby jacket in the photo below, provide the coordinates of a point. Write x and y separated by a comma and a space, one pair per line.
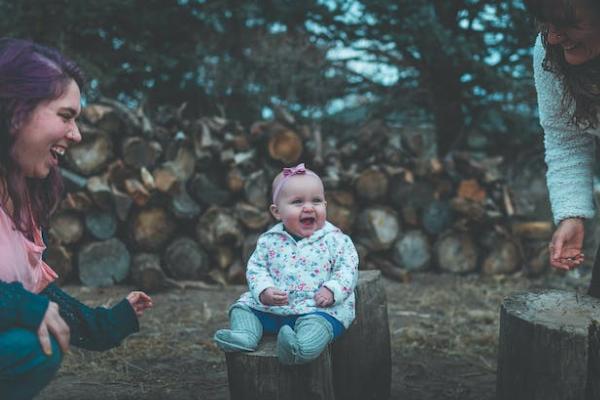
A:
326, 258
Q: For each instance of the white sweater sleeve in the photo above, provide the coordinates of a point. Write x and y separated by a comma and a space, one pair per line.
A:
569, 151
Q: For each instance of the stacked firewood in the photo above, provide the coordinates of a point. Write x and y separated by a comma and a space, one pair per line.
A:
176, 201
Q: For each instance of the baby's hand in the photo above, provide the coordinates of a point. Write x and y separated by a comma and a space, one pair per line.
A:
273, 297
324, 297
140, 302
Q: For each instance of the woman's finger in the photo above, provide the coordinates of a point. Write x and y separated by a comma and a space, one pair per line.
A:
44, 338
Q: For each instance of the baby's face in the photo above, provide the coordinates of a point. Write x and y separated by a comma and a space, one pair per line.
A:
301, 205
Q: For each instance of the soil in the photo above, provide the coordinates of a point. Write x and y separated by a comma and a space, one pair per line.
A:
444, 333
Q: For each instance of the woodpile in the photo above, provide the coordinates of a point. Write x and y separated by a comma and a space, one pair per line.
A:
168, 198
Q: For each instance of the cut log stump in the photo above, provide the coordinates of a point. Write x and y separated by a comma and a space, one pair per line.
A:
543, 347
356, 366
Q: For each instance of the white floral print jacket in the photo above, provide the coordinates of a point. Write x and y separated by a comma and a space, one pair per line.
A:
300, 268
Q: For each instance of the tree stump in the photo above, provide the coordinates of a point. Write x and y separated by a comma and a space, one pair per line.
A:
260, 376
543, 349
362, 363
356, 366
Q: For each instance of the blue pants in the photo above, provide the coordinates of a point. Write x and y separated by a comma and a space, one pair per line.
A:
24, 368
272, 323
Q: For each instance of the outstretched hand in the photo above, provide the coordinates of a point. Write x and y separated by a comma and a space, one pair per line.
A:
140, 302
567, 243
273, 297
52, 323
324, 297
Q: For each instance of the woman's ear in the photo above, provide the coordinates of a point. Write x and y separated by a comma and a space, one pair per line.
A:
275, 212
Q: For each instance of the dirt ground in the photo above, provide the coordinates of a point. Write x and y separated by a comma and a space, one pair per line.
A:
444, 333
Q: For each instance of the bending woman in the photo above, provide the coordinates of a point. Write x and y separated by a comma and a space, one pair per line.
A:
566, 65
39, 101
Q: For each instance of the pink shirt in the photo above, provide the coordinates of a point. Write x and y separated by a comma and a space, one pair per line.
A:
21, 259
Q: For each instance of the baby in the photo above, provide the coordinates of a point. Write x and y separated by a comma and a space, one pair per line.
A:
301, 276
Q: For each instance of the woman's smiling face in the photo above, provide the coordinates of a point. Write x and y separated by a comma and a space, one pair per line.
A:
47, 133
579, 40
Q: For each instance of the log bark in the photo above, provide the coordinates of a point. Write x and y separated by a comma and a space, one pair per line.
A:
456, 252
100, 191
378, 228
146, 272
138, 152
412, 251
207, 192
361, 358
543, 345
284, 144
217, 226
504, 258
92, 154
103, 263
260, 376
183, 206
152, 228
371, 185
101, 225
252, 217
341, 210
185, 259
256, 189
66, 227
60, 259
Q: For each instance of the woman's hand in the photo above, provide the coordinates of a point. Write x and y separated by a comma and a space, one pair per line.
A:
140, 302
324, 297
567, 243
52, 323
273, 297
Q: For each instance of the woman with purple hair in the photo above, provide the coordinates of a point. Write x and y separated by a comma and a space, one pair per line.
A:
39, 102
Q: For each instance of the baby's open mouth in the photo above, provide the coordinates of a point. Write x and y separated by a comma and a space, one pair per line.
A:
307, 220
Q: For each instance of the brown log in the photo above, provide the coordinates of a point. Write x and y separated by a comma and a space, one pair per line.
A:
138, 152
456, 252
412, 251
100, 191
218, 276
378, 228
183, 206
471, 190
77, 201
252, 217
137, 191
122, 203
217, 226
60, 259
539, 261
361, 358
248, 246
66, 227
284, 144
101, 225
205, 191
541, 230
185, 259
103, 263
235, 180
259, 375
256, 189
236, 273
371, 185
223, 256
473, 210
117, 173
411, 198
92, 154
146, 272
152, 228
173, 174
147, 179
543, 345
165, 178
341, 209
103, 117
388, 269
504, 258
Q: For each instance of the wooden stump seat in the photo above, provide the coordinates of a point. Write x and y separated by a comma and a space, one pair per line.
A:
356, 366
544, 348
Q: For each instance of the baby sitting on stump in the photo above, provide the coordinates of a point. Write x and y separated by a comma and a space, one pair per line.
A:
301, 276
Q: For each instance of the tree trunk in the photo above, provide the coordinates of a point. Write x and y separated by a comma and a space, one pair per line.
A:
543, 349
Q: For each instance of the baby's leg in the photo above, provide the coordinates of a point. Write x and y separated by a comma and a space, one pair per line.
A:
306, 341
245, 333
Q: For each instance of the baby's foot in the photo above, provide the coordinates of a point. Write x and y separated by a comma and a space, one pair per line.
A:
287, 345
228, 340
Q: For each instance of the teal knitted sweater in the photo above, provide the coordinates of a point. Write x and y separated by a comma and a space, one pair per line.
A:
569, 150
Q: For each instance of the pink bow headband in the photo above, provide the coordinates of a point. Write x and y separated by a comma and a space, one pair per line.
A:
287, 174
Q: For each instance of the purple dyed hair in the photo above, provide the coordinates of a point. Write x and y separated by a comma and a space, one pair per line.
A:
29, 75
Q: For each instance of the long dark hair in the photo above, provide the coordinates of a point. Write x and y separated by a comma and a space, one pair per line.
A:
582, 82
29, 75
